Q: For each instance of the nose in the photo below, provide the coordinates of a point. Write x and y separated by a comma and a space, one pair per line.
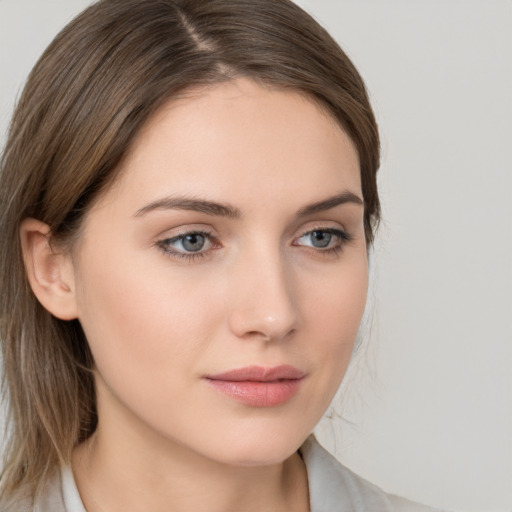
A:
264, 300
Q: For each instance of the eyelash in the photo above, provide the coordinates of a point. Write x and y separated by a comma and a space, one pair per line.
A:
165, 245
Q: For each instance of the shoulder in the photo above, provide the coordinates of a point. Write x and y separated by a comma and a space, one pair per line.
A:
333, 487
48, 499
51, 498
404, 505
60, 494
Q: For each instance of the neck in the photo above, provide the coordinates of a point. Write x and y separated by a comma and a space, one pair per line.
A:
117, 470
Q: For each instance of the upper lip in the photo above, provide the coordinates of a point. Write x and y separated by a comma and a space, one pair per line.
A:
260, 374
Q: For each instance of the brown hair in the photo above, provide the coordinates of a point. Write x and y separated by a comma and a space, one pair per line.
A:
83, 105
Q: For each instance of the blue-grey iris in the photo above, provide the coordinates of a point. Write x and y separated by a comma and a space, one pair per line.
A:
320, 238
193, 242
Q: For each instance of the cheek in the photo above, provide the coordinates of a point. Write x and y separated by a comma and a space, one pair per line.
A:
148, 341
334, 309
140, 320
337, 299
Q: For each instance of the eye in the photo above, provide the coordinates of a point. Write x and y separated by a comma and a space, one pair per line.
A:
192, 242
188, 245
320, 239
325, 240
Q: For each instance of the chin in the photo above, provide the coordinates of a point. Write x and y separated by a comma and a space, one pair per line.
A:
260, 448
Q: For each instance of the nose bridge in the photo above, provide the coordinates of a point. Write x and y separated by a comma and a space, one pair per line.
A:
264, 302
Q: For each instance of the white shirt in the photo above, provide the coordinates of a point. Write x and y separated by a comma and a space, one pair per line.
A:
332, 488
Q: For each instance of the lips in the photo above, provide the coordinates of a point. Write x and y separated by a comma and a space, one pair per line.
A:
258, 386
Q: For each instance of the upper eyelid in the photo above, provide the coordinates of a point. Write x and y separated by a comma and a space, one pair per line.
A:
210, 232
327, 226
176, 232
322, 227
189, 232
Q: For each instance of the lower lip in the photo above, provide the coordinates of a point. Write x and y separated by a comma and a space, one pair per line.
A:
258, 394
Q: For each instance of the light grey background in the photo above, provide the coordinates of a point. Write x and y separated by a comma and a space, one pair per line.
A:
428, 414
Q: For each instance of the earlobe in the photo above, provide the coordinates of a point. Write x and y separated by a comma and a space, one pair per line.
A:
49, 271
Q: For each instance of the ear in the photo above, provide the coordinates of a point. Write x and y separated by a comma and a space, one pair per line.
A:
50, 272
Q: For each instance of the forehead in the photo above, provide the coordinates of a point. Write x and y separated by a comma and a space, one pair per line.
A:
240, 138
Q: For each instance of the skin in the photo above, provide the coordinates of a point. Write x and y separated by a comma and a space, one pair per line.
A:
260, 292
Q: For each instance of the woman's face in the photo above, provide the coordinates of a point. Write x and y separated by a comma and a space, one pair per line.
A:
221, 280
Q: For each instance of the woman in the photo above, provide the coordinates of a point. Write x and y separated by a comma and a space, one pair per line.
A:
188, 201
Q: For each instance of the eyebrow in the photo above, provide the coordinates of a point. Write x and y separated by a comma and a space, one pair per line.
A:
196, 205
227, 210
331, 202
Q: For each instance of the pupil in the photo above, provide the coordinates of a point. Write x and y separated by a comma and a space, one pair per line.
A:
321, 238
193, 243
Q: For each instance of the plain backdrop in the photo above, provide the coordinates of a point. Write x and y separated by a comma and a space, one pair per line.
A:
428, 411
